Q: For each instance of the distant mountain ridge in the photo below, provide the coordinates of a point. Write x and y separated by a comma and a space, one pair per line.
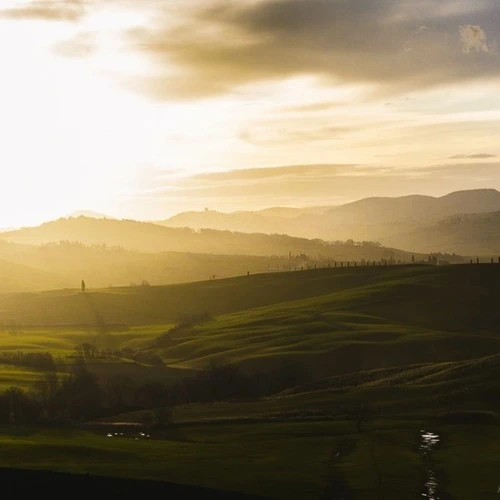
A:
88, 213
418, 207
388, 220
376, 210
413, 223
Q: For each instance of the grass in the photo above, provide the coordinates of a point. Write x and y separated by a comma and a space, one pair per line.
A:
413, 341
287, 460
407, 316
470, 460
154, 305
61, 343
292, 460
328, 321
16, 376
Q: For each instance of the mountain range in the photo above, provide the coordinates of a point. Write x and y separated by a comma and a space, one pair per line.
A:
412, 223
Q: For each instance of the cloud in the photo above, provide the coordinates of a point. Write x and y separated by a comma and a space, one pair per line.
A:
288, 171
323, 184
218, 47
473, 38
411, 42
286, 135
475, 156
48, 10
81, 45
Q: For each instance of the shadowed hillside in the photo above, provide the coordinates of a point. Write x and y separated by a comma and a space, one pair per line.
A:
328, 320
160, 304
405, 316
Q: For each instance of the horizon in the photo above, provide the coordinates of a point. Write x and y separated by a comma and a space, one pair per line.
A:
147, 109
87, 213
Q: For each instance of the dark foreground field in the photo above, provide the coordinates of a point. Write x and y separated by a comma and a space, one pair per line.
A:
281, 460
18, 483
335, 374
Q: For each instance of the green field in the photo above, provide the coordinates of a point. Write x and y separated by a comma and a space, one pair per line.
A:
411, 342
276, 460
280, 460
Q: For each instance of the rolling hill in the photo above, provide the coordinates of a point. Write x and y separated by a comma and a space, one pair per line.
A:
330, 321
418, 346
27, 268
469, 234
405, 316
147, 237
164, 304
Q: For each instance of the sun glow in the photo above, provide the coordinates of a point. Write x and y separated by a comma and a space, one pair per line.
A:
87, 121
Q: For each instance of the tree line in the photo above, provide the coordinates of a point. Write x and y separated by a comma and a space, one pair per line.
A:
78, 395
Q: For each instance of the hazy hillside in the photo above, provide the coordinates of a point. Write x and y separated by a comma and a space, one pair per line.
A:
147, 237
16, 277
248, 222
415, 207
63, 265
470, 234
380, 219
270, 220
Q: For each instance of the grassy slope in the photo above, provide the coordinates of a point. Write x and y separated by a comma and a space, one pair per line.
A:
162, 304
403, 316
423, 391
61, 343
371, 318
470, 460
331, 321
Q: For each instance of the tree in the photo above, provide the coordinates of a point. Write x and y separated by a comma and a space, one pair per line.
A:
151, 395
120, 392
360, 414
21, 409
80, 392
86, 350
45, 392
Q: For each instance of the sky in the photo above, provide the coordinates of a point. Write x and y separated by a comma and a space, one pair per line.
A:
146, 108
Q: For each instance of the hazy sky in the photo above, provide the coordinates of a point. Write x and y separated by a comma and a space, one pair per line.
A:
141, 108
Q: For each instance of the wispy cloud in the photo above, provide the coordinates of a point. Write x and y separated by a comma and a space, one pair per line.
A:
48, 10
315, 185
81, 45
474, 156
